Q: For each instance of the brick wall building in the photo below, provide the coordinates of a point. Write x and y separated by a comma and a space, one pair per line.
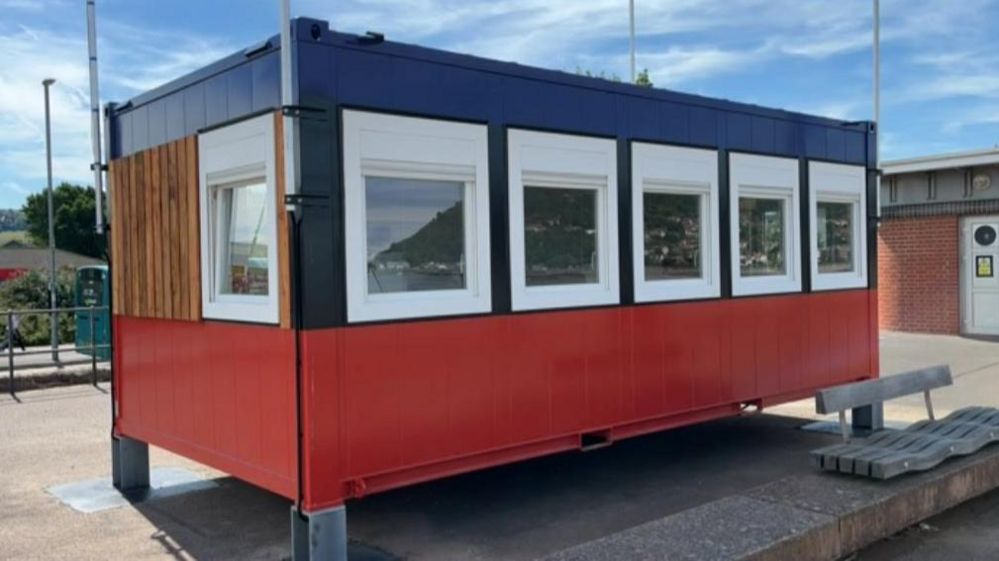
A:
932, 209
926, 297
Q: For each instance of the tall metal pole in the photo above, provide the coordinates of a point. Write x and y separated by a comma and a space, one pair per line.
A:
631, 38
290, 124
877, 98
53, 319
95, 119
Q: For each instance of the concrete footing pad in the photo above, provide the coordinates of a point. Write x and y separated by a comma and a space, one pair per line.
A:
95, 495
813, 517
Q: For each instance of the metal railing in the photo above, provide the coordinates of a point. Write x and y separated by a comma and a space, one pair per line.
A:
53, 314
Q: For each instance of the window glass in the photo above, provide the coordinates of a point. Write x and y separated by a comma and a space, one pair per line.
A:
761, 237
835, 237
415, 234
560, 236
672, 236
245, 240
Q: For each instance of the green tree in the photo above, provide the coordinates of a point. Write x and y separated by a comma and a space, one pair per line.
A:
74, 219
602, 75
643, 79
31, 291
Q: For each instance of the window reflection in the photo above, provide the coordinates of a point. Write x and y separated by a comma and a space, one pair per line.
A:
761, 237
672, 236
560, 227
835, 237
415, 234
245, 243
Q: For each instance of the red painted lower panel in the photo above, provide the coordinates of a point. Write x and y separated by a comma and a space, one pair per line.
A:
393, 404
219, 393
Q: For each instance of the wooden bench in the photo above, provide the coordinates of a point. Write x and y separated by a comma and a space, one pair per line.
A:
919, 447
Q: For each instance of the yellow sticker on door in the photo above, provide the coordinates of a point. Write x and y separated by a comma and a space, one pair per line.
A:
983, 266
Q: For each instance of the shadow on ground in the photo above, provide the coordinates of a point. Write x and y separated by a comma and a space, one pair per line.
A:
516, 512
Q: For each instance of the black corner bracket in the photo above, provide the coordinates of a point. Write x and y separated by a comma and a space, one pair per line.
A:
304, 112
371, 38
300, 200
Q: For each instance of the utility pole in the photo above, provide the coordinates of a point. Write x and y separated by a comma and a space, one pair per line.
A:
877, 100
95, 119
631, 38
53, 318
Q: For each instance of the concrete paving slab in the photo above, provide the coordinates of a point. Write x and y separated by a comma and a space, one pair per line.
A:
969, 532
733, 528
869, 511
95, 495
831, 427
974, 364
806, 517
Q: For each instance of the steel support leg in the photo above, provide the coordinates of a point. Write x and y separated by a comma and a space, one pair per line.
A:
320, 535
868, 419
129, 464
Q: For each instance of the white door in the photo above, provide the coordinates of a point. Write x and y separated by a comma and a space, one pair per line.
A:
981, 279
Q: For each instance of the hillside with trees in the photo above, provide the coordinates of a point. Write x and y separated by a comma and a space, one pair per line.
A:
74, 219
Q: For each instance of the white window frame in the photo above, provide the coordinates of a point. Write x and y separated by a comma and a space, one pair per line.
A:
566, 162
237, 153
415, 148
766, 177
839, 183
677, 171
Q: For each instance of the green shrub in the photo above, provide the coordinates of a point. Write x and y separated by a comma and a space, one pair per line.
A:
31, 291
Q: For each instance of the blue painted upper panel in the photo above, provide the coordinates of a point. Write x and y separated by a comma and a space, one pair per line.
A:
238, 85
348, 70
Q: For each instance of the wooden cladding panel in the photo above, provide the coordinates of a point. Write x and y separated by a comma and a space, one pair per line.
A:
155, 240
193, 265
155, 232
284, 257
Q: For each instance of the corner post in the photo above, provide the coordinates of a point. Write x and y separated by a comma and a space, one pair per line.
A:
320, 535
129, 464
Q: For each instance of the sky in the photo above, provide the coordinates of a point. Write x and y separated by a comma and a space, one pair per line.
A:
940, 58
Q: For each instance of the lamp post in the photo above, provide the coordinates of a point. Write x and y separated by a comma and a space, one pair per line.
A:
53, 318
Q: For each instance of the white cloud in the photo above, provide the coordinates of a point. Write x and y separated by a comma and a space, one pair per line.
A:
933, 51
945, 74
33, 6
843, 109
680, 65
131, 60
14, 188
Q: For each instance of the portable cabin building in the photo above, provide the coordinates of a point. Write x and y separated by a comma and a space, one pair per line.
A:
480, 263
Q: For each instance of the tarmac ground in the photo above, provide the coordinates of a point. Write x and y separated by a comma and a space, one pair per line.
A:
517, 512
969, 532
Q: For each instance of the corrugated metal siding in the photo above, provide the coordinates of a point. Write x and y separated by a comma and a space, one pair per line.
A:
243, 89
405, 78
373, 79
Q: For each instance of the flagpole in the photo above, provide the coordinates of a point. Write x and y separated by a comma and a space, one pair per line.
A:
877, 98
631, 37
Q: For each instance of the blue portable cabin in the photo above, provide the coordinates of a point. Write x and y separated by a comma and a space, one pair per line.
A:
343, 448
336, 71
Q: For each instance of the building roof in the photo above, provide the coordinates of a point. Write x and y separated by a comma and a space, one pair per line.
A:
341, 69
936, 162
38, 258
